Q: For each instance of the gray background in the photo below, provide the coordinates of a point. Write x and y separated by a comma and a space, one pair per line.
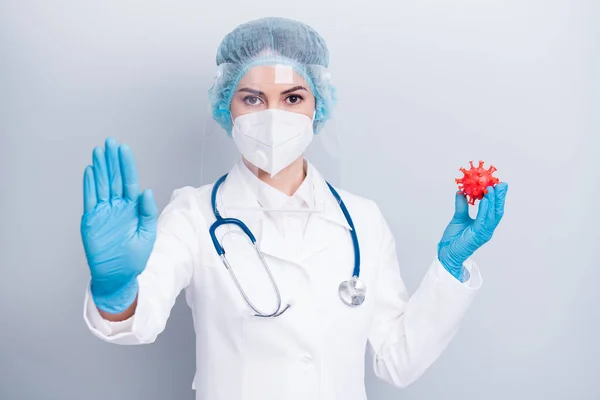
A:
425, 87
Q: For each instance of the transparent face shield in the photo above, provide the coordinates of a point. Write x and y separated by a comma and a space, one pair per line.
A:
274, 134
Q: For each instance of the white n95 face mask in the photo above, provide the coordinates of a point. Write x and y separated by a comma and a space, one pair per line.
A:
272, 139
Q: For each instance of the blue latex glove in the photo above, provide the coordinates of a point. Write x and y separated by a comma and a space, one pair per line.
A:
464, 234
118, 226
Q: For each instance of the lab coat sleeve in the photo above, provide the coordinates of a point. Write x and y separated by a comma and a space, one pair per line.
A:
409, 334
168, 271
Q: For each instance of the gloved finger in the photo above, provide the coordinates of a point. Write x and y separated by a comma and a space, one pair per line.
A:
131, 186
100, 175
490, 217
478, 225
148, 212
501, 190
89, 190
461, 207
114, 171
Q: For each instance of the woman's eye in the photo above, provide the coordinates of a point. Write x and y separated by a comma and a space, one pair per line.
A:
252, 100
294, 99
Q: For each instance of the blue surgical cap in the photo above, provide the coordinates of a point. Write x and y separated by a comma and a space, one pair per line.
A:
272, 41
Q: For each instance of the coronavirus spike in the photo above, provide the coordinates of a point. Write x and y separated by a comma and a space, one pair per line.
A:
475, 181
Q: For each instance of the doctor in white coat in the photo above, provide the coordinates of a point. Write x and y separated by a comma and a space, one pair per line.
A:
290, 330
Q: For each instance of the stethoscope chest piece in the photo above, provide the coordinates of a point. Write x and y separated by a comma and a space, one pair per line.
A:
352, 292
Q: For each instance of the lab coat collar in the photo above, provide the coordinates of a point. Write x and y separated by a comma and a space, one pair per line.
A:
270, 197
325, 201
236, 197
236, 200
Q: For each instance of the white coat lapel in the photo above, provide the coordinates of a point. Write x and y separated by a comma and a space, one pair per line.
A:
273, 243
321, 225
236, 200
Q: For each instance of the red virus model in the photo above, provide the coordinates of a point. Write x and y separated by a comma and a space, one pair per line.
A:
475, 181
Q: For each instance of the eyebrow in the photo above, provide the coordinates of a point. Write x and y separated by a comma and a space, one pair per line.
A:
252, 91
295, 88
260, 93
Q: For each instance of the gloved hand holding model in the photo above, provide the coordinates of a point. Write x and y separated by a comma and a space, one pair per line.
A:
464, 234
118, 227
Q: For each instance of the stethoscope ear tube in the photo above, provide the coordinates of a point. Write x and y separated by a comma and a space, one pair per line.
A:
213, 196
258, 312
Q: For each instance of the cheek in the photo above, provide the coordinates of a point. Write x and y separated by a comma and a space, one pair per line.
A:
235, 109
239, 108
307, 107
309, 113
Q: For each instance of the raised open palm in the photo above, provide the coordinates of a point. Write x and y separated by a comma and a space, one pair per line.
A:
118, 226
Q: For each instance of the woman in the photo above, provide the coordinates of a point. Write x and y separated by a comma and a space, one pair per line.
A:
296, 333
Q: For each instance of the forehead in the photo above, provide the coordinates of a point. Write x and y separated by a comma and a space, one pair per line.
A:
273, 74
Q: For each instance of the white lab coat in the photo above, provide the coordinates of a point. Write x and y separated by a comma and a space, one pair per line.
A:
316, 349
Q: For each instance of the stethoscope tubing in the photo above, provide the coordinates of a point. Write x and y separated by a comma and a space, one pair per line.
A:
220, 221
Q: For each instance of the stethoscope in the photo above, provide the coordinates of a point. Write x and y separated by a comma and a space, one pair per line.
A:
352, 291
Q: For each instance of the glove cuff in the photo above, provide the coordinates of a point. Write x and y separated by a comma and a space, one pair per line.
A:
456, 270
117, 301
